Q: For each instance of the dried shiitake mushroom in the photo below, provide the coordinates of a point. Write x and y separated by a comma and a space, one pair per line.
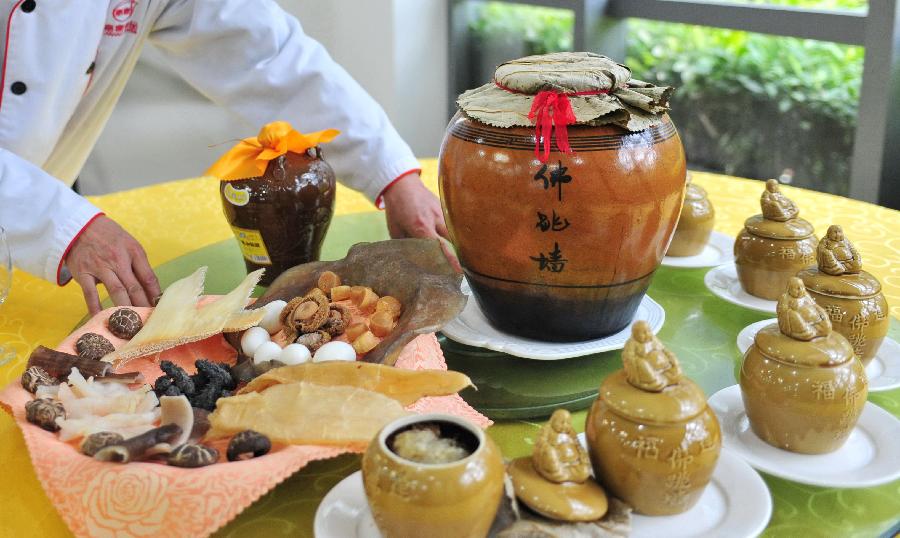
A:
93, 346
125, 323
248, 443
192, 456
35, 376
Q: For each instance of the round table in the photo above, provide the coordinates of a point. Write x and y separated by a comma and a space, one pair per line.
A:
181, 226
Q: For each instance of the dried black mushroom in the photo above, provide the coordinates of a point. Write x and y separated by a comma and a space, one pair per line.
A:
191, 456
93, 346
96, 441
43, 412
125, 323
150, 443
248, 443
35, 376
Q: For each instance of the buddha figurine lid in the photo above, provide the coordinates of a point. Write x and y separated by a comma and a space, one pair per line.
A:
839, 272
803, 335
780, 218
694, 192
651, 386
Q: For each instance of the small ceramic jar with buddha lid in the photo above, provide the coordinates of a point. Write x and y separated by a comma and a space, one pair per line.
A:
773, 246
803, 388
695, 224
851, 297
652, 438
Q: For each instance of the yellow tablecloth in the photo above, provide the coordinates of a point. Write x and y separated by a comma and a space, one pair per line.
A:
172, 219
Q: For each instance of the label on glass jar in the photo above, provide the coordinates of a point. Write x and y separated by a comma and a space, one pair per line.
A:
252, 246
238, 197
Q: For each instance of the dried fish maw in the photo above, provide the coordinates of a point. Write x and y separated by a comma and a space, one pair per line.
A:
405, 386
178, 320
415, 271
306, 414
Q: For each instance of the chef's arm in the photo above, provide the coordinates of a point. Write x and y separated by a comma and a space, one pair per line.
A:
254, 59
56, 234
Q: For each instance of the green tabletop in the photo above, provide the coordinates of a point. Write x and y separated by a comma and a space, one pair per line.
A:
700, 328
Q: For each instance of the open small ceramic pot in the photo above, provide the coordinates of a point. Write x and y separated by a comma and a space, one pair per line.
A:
851, 297
412, 499
773, 246
695, 224
803, 388
652, 438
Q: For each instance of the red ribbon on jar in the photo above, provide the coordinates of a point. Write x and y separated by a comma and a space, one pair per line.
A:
551, 113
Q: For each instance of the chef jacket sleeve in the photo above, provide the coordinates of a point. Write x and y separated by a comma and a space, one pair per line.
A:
42, 217
254, 59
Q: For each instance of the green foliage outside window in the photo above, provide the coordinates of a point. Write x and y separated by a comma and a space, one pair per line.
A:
746, 104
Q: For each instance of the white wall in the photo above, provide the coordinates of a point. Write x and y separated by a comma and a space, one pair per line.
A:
396, 49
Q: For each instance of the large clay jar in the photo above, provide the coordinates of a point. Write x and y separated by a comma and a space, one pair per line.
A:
411, 499
561, 245
802, 386
652, 439
851, 297
280, 218
695, 225
773, 246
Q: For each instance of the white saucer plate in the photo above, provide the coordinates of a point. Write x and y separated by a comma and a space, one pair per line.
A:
736, 503
718, 250
869, 457
883, 370
723, 282
472, 328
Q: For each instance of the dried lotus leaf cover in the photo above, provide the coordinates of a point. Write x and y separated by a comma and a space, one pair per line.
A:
306, 414
627, 102
405, 386
415, 271
178, 320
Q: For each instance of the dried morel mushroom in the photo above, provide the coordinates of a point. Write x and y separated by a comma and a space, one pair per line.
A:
305, 314
93, 346
192, 456
44, 412
248, 442
125, 323
35, 376
338, 320
96, 441
314, 340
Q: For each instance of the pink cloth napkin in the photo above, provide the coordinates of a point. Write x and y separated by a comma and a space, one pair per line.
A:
151, 499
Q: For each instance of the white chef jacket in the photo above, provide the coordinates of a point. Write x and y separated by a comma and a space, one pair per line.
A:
66, 63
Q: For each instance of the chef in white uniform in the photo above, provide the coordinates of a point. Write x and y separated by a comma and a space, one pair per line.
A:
65, 65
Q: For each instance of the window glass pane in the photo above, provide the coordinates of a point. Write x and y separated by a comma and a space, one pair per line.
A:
810, 4
745, 104
754, 105
501, 31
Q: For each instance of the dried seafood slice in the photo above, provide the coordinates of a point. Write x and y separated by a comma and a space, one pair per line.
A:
339, 318
405, 386
306, 414
313, 341
178, 320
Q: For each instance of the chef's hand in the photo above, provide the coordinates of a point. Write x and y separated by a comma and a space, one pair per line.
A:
107, 254
414, 211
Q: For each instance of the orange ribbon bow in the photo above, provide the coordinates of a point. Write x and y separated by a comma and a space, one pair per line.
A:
250, 157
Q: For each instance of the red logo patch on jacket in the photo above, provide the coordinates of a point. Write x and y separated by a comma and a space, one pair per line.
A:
121, 19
